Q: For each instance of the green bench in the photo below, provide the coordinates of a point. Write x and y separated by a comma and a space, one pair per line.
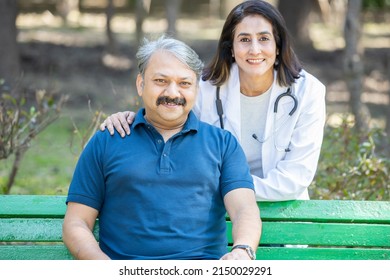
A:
31, 228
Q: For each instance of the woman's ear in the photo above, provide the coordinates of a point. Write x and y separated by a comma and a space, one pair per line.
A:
140, 84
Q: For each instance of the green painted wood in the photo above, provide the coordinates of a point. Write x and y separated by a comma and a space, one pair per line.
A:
326, 211
33, 230
325, 234
334, 225
32, 206
365, 235
275, 253
297, 210
20, 230
34, 252
59, 252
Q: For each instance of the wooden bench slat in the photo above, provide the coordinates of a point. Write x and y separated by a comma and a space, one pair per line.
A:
20, 230
59, 252
34, 252
326, 211
33, 230
274, 253
330, 234
298, 210
32, 206
43, 230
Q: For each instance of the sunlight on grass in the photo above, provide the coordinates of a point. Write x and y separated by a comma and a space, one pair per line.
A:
48, 165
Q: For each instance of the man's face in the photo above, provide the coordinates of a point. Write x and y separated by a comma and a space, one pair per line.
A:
168, 90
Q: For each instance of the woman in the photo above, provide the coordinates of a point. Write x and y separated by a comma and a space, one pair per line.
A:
264, 97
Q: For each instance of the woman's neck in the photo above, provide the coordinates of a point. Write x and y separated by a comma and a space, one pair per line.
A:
255, 86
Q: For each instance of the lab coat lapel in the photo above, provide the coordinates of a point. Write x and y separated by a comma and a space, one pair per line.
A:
283, 109
232, 104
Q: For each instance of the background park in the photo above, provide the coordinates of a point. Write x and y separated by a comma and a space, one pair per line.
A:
66, 64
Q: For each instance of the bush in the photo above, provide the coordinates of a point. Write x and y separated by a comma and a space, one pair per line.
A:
21, 122
350, 167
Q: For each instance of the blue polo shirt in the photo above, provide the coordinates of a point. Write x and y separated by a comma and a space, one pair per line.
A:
161, 200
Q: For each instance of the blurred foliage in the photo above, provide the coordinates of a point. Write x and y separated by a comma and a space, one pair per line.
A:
376, 4
21, 121
350, 167
81, 135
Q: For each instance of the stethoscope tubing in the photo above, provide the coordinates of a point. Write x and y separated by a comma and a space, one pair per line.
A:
218, 103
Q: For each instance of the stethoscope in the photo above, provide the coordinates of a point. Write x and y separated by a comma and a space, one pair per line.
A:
218, 103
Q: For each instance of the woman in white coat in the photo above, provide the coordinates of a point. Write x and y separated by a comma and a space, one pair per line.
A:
256, 88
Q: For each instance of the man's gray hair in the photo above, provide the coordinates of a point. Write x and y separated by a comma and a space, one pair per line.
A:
180, 50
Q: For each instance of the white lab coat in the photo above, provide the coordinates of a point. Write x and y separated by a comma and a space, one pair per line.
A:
287, 175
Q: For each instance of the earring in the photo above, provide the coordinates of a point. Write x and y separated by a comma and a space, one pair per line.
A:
276, 62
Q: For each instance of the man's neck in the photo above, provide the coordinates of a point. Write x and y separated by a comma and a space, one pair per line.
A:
165, 130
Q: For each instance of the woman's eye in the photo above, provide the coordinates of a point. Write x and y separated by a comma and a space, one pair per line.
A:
244, 40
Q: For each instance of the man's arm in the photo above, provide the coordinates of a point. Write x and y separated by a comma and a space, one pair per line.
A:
245, 216
77, 232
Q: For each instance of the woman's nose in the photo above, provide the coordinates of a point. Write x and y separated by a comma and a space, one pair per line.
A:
255, 47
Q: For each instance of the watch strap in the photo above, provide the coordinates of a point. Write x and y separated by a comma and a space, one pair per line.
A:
248, 250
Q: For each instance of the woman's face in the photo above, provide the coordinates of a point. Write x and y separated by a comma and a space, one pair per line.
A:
254, 47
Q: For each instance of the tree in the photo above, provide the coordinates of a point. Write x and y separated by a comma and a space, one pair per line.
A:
9, 54
172, 8
297, 16
21, 122
112, 45
353, 64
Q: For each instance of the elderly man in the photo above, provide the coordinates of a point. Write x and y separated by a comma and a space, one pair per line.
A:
163, 192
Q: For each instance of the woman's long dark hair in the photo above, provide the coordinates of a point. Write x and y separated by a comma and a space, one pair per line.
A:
288, 68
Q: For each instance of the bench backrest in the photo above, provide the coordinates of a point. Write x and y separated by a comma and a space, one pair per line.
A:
31, 228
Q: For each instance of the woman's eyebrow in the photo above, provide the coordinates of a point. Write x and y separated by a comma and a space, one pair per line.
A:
258, 33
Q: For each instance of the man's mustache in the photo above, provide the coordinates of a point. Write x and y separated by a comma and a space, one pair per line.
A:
168, 100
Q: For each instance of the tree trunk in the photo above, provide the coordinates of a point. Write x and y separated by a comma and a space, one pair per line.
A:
297, 16
9, 54
66, 7
142, 10
353, 64
20, 151
172, 8
388, 93
112, 46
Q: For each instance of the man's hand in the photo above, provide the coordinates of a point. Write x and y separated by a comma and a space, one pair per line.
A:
237, 254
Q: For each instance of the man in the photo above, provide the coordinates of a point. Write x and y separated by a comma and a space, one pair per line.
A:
162, 192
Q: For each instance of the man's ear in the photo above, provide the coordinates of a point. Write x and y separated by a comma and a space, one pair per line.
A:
140, 84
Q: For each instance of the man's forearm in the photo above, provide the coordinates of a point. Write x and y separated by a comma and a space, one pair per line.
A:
81, 242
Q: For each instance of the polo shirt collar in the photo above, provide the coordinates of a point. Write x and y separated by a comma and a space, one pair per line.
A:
192, 122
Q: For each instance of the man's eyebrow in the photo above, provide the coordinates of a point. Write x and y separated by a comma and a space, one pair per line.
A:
165, 76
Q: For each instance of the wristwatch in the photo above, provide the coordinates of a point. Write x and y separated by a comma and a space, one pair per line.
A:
247, 249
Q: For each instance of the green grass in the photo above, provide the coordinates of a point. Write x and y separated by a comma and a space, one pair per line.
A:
47, 166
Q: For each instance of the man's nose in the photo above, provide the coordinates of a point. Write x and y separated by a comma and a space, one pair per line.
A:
172, 90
